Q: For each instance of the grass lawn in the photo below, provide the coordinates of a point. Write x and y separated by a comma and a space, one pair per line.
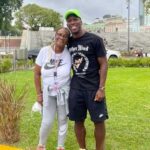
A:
128, 101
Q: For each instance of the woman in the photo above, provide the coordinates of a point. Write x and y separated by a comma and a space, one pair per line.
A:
53, 66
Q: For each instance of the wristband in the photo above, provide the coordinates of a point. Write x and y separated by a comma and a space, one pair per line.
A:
102, 88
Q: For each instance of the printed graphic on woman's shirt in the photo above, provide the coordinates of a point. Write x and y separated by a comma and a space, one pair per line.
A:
53, 64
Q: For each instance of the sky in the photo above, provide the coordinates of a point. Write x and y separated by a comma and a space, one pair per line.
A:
90, 9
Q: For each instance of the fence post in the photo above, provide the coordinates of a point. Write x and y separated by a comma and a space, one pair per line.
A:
14, 60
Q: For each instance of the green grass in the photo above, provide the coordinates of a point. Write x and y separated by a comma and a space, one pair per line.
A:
128, 101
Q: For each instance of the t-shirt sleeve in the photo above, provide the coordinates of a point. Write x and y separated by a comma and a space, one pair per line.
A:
100, 48
39, 59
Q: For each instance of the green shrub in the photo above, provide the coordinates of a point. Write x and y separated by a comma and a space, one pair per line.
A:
21, 63
145, 62
24, 63
5, 65
115, 62
130, 62
30, 62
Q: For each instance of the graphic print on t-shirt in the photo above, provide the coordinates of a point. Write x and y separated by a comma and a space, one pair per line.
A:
79, 60
53, 63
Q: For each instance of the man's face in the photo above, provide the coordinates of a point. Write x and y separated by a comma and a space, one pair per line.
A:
74, 24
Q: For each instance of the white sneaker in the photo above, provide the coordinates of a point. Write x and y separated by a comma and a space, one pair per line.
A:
40, 147
60, 148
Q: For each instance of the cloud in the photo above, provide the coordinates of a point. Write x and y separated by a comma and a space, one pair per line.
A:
90, 9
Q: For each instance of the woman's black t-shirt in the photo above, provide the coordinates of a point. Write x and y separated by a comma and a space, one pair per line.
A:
84, 52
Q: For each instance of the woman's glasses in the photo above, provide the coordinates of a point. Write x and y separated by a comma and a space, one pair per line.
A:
64, 36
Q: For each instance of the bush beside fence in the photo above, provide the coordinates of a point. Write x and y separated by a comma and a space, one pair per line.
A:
130, 62
7, 65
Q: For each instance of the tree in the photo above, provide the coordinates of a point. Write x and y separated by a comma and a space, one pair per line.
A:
7, 7
33, 16
147, 6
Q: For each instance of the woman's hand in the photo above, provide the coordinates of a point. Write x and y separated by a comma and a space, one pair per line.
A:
40, 98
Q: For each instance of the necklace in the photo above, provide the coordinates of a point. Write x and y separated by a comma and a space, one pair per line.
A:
57, 64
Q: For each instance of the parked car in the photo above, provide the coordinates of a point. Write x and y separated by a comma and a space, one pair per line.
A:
113, 54
32, 54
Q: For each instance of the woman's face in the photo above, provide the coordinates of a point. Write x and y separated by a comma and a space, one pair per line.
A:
61, 37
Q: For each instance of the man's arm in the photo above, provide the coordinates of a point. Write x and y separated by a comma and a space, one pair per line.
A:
103, 75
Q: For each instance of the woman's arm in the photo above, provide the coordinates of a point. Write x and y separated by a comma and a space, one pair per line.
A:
37, 82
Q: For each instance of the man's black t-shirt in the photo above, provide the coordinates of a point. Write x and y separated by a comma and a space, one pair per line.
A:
84, 52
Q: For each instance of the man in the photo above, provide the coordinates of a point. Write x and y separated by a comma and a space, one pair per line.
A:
88, 81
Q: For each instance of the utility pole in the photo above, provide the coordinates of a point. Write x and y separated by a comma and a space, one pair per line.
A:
128, 7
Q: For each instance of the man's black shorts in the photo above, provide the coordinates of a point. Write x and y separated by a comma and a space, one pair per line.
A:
82, 100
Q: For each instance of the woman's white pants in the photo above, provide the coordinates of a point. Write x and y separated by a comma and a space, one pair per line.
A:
50, 109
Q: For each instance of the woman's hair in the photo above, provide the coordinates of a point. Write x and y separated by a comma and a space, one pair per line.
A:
64, 29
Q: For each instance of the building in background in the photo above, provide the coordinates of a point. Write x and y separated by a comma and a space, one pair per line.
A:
144, 19
97, 26
9, 43
141, 12
115, 24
